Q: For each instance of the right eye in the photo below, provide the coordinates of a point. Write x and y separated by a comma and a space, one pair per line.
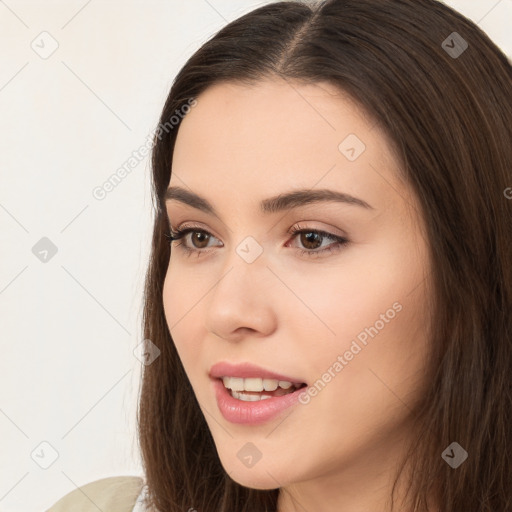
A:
181, 234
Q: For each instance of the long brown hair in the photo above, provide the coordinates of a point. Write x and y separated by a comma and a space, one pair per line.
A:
445, 102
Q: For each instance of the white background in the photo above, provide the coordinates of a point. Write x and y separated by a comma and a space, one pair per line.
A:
69, 326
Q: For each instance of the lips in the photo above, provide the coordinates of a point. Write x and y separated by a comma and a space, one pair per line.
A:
251, 412
238, 409
248, 370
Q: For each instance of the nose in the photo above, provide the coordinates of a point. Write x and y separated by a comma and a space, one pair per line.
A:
242, 302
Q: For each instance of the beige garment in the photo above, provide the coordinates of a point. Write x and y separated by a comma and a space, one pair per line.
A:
113, 494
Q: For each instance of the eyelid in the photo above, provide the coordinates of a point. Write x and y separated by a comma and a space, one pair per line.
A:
328, 231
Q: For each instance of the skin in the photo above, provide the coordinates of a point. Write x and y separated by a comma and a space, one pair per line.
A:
296, 314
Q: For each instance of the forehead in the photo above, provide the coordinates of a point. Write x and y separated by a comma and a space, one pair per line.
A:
248, 141
274, 112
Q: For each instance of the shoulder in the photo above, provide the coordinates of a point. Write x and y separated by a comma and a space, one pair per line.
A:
113, 494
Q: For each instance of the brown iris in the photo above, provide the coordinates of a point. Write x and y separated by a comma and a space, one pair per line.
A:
200, 237
310, 237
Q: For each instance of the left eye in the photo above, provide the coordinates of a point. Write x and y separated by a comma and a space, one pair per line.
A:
308, 238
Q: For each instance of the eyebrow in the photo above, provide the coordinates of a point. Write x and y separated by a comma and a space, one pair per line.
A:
285, 201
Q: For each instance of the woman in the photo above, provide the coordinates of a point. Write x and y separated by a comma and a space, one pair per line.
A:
330, 283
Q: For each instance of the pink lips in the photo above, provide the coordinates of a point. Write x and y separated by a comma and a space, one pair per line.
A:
251, 413
243, 412
248, 370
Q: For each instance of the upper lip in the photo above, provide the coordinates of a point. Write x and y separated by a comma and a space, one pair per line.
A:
248, 370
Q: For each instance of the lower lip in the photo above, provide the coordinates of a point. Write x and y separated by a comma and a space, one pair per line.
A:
253, 413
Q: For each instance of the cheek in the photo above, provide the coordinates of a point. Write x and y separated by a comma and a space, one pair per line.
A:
377, 313
179, 297
371, 307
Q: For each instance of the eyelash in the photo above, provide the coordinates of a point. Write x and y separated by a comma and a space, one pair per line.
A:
180, 234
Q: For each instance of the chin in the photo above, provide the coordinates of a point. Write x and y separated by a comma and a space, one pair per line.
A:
263, 475
260, 480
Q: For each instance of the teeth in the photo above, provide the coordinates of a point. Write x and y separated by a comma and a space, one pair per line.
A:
255, 384
233, 383
271, 384
249, 398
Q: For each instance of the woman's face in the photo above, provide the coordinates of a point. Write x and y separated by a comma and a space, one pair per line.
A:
348, 318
